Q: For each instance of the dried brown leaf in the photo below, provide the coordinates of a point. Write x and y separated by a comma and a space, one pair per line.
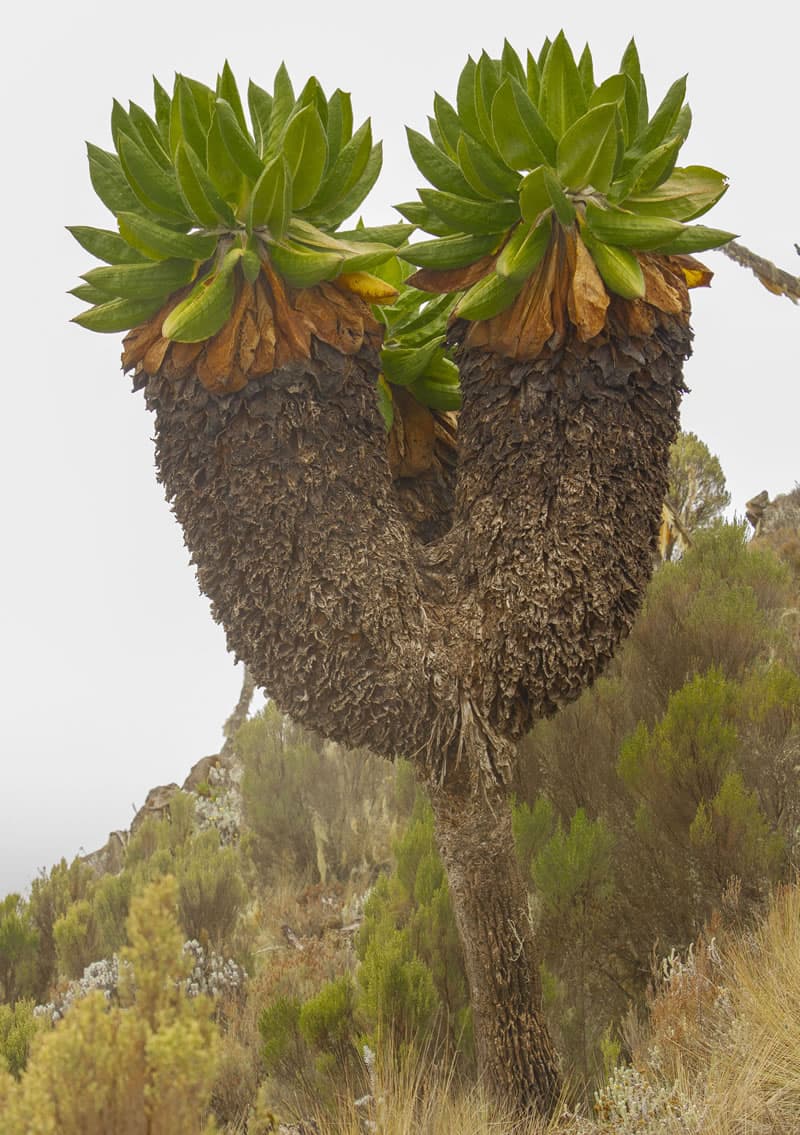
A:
452, 279
657, 289
587, 300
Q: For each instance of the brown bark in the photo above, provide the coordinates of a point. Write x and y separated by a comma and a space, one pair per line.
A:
434, 623
515, 1055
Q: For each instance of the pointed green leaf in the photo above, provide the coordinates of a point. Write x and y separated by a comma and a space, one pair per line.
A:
696, 238
512, 64
305, 146
141, 281
239, 144
588, 151
149, 134
159, 243
488, 81
271, 199
88, 294
487, 176
448, 123
353, 198
522, 138
615, 226
586, 72
488, 297
339, 125
544, 51
564, 209
637, 101
162, 103
661, 124
440, 171
283, 102
563, 100
109, 181
228, 90
648, 172
207, 307
199, 192
204, 100
185, 124
451, 251
524, 250
403, 365
117, 314
534, 197
105, 245
619, 267
251, 265
687, 194
346, 171
259, 102
422, 218
395, 235
226, 176
533, 80
155, 187
468, 215
466, 97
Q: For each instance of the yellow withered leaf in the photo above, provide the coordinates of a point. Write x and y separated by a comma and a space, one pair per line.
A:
587, 300
657, 291
369, 287
694, 273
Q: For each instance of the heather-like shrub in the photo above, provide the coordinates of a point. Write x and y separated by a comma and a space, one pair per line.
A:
18, 1026
143, 1067
211, 892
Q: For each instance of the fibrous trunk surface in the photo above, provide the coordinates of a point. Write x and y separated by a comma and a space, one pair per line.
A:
354, 595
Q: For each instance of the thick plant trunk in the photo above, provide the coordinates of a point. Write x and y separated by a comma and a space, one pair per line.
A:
516, 1058
439, 633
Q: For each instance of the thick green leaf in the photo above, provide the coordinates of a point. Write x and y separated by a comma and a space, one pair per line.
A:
487, 176
349, 167
198, 190
207, 307
156, 188
204, 101
160, 243
636, 96
660, 126
117, 314
696, 238
185, 124
687, 194
440, 171
228, 90
562, 100
448, 123
488, 80
451, 251
354, 197
619, 267
587, 153
141, 281
89, 294
271, 199
435, 393
226, 176
586, 72
522, 138
488, 297
105, 245
511, 64
403, 365
395, 235
422, 218
162, 104
259, 102
149, 134
629, 230
471, 216
305, 146
533, 80
304, 267
283, 102
339, 125
239, 144
534, 196
109, 181
524, 250
466, 99
649, 171
564, 209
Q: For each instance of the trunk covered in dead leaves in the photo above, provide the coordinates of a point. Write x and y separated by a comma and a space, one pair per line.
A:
436, 613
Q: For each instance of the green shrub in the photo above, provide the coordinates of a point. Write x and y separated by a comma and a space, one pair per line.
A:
18, 1026
19, 941
211, 892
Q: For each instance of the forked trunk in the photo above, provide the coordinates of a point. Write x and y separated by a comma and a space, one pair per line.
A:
438, 626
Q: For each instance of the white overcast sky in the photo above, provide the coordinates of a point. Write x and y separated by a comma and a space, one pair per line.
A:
114, 677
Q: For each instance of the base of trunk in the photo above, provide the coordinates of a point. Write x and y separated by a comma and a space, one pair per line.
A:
516, 1057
